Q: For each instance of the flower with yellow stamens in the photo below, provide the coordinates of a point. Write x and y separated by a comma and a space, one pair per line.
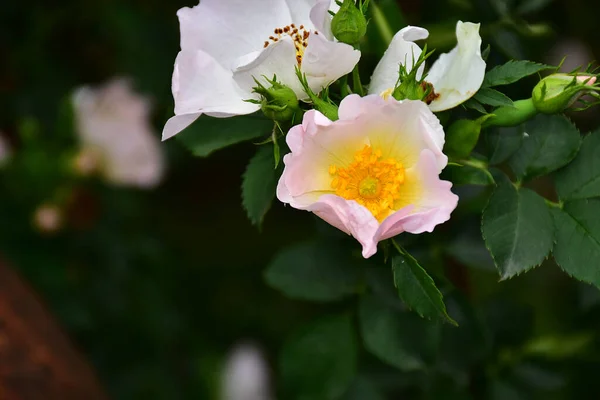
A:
374, 173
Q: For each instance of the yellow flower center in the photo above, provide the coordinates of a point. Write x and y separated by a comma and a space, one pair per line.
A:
370, 180
299, 35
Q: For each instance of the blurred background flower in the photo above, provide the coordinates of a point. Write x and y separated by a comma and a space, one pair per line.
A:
155, 287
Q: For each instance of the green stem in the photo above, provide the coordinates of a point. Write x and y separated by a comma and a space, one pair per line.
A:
344, 91
398, 247
356, 83
522, 111
385, 30
553, 204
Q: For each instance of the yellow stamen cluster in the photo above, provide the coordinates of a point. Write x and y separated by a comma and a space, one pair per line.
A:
369, 180
298, 34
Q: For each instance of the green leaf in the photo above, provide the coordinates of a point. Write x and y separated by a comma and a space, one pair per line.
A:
581, 178
531, 6
511, 72
492, 97
503, 143
209, 134
467, 175
551, 141
417, 289
401, 339
319, 362
577, 249
517, 228
316, 271
259, 184
474, 105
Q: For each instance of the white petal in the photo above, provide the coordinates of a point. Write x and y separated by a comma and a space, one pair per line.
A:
202, 86
320, 17
401, 50
278, 59
325, 61
456, 76
228, 29
300, 11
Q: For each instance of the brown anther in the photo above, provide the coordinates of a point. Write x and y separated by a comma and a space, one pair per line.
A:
301, 26
306, 35
266, 44
272, 37
299, 59
316, 33
432, 94
293, 26
286, 29
295, 31
275, 31
304, 44
275, 39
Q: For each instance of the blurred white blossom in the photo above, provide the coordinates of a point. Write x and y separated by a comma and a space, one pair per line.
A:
5, 151
116, 137
245, 375
48, 218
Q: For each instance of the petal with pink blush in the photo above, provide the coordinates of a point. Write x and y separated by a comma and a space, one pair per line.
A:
369, 123
430, 205
400, 129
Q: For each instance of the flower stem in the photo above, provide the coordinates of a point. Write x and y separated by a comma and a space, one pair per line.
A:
356, 83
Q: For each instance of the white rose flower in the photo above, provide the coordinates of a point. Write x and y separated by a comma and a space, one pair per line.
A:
455, 76
226, 44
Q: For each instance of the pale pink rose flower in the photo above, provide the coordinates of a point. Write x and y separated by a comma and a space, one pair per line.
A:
112, 123
226, 44
374, 173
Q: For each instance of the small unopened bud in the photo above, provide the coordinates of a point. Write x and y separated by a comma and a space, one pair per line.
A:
462, 136
279, 102
48, 218
349, 24
557, 92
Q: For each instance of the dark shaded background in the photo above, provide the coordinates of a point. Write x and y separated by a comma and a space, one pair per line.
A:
155, 287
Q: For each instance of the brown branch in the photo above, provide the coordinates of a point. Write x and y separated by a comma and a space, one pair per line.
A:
37, 362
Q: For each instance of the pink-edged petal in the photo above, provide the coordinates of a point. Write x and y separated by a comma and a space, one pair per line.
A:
401, 50
433, 205
401, 129
228, 29
315, 145
458, 75
326, 61
349, 217
278, 59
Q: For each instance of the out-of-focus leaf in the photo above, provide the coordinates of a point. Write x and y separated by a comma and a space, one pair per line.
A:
467, 175
316, 271
401, 339
581, 178
517, 229
259, 184
551, 141
209, 134
320, 361
363, 389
